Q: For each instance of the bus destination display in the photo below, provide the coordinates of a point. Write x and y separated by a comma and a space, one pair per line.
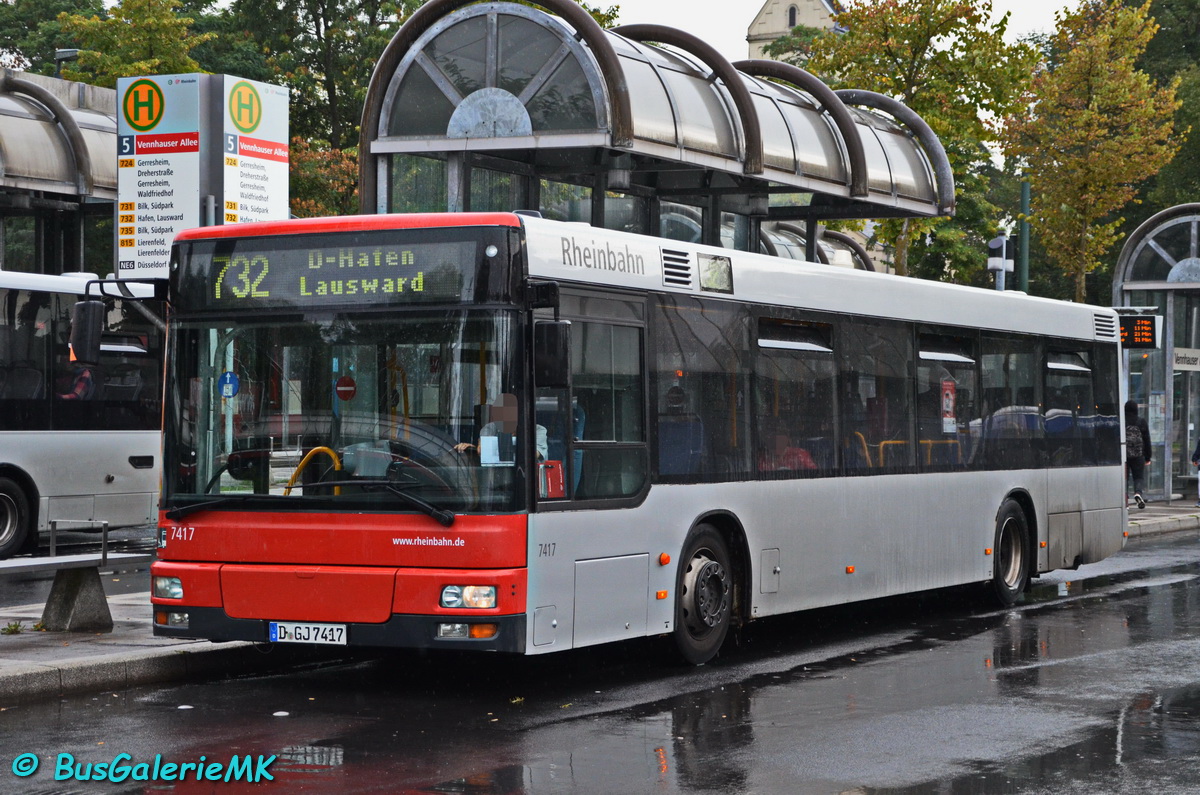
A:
251, 274
1139, 331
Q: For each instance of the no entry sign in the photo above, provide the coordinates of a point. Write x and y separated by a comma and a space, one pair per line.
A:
345, 388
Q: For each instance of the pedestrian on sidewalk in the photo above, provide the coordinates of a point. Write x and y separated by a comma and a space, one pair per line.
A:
1137, 450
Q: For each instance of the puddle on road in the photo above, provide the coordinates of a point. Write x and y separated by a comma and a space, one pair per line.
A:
1151, 745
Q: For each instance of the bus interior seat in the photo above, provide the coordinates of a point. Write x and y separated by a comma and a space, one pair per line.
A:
24, 383
680, 444
858, 456
125, 384
821, 450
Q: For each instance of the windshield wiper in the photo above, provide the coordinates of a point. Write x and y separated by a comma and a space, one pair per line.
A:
183, 510
442, 517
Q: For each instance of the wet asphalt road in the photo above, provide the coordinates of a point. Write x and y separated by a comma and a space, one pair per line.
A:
1091, 685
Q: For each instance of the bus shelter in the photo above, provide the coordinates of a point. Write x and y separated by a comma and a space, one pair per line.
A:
58, 174
643, 128
1159, 268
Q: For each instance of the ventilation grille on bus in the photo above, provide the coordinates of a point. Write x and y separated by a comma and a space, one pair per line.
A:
1105, 326
677, 268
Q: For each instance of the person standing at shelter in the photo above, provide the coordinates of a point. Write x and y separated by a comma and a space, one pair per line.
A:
1137, 449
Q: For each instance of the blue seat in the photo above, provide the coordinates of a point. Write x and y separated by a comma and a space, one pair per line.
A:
680, 444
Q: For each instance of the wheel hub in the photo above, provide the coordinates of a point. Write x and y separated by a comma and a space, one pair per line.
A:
708, 586
8, 518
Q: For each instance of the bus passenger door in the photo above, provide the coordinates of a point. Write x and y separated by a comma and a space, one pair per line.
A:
589, 573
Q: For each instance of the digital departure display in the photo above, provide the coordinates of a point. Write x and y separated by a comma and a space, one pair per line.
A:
1139, 331
330, 270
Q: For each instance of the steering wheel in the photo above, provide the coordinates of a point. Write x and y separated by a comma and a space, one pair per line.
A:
404, 467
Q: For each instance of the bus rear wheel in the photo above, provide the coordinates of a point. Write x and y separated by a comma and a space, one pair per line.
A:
1011, 554
704, 591
14, 518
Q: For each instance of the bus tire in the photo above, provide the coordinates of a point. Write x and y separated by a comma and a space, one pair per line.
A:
704, 589
1011, 554
14, 518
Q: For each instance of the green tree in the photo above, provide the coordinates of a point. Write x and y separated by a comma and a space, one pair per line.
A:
795, 47
1095, 127
30, 31
324, 50
948, 61
1174, 52
137, 37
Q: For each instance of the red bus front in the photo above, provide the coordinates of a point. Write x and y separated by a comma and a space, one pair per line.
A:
348, 435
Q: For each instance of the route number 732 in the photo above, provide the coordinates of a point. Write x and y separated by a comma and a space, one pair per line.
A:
245, 275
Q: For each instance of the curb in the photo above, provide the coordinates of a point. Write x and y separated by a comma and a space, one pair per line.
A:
1163, 525
204, 660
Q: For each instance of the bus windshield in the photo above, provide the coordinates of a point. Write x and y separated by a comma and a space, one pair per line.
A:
373, 411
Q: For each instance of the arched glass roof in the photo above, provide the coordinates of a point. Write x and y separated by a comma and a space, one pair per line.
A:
1163, 252
48, 145
510, 81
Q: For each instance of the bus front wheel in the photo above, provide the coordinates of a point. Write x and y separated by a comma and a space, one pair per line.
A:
1011, 555
14, 518
704, 595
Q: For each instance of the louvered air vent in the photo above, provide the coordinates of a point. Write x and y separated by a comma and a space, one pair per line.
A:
1105, 326
677, 268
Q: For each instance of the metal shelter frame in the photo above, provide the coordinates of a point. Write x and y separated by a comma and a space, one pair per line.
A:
545, 94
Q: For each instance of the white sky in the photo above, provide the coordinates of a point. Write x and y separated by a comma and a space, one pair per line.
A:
723, 23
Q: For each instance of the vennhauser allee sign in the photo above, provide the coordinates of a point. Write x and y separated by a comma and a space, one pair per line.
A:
1187, 359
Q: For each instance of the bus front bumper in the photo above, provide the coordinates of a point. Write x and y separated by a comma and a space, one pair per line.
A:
400, 631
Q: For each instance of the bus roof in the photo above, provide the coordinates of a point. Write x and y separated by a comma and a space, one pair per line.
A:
350, 223
69, 283
589, 255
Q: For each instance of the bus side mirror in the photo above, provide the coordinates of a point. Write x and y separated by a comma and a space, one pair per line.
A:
552, 353
87, 324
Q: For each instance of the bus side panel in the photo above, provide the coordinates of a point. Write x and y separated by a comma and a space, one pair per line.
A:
838, 539
1086, 516
103, 484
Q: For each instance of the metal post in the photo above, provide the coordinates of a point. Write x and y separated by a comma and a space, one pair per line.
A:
103, 543
1023, 241
53, 537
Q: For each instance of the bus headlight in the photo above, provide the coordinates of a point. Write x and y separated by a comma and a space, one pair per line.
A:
480, 597
168, 587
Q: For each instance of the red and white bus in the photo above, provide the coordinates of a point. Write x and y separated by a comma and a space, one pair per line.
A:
498, 432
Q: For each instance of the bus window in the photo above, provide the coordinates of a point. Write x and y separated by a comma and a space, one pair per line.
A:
700, 413
946, 388
1009, 436
607, 404
877, 417
1070, 408
794, 377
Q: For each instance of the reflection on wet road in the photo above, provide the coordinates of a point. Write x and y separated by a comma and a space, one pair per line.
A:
1091, 685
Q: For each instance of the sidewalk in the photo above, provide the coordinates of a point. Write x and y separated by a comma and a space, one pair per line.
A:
45, 664
37, 665
1162, 517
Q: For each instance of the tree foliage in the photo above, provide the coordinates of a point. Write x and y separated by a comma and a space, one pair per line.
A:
324, 180
795, 47
1095, 127
137, 37
30, 31
948, 61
